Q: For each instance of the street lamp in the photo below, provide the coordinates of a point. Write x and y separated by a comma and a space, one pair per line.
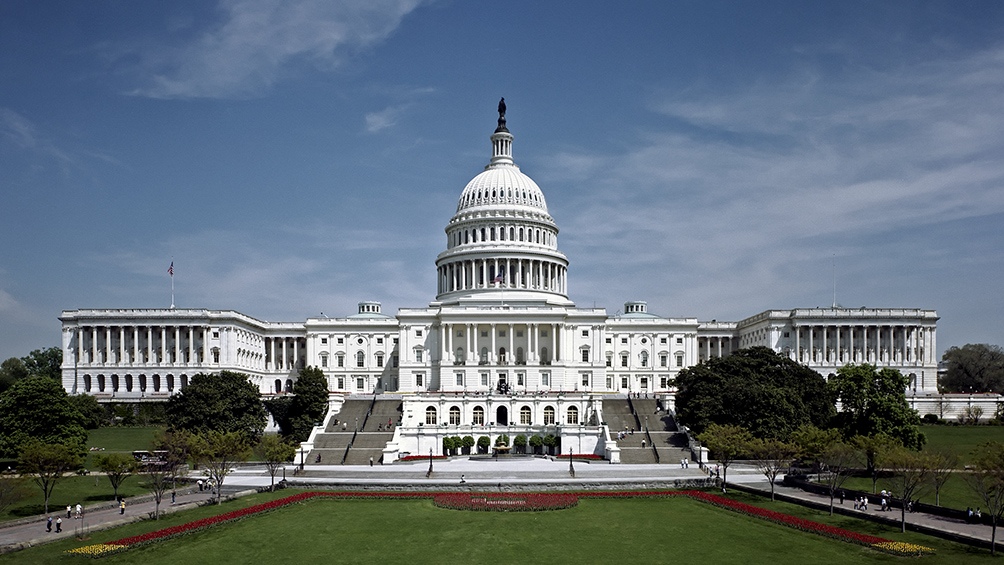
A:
429, 474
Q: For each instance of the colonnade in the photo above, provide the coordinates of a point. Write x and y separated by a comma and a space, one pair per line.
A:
531, 274
112, 345
285, 353
875, 344
542, 343
714, 346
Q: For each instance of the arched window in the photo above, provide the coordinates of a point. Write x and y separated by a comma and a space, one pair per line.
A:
170, 382
454, 416
549, 415
128, 383
460, 359
289, 385
115, 383
520, 360
156, 383
87, 383
644, 358
430, 416
573, 415
525, 417
101, 383
483, 238
479, 416
278, 386
512, 233
502, 359
544, 358
484, 356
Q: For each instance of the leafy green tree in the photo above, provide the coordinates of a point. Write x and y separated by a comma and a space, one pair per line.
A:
47, 463
757, 389
974, 367
813, 442
483, 444
11, 371
219, 452
38, 408
449, 445
727, 443
467, 443
873, 401
117, 467
987, 481
519, 442
176, 446
874, 448
274, 451
296, 415
944, 462
223, 402
13, 489
45, 363
536, 442
92, 414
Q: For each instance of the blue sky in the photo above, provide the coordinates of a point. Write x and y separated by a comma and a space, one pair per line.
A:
713, 158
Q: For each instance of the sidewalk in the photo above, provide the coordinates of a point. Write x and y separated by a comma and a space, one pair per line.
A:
948, 528
20, 534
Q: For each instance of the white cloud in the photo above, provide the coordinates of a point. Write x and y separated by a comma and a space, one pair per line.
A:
376, 121
258, 40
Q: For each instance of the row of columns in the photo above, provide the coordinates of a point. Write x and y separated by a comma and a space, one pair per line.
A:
548, 352
879, 344
163, 344
517, 273
714, 346
284, 353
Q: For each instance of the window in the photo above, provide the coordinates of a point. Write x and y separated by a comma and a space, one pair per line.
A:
585, 379
520, 379
572, 416
545, 379
585, 355
324, 341
479, 416
418, 333
549, 415
610, 360
610, 340
360, 383
610, 383
663, 382
484, 333
484, 379
380, 341
663, 360
418, 379
786, 334
341, 340
379, 360
341, 383
663, 340
624, 382
460, 379
679, 360
525, 416
679, 341
430, 416
623, 341
644, 358
454, 416
624, 359
216, 334
418, 355
360, 359
324, 361
585, 333
340, 360
393, 361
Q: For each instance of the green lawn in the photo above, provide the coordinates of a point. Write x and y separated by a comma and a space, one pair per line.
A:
961, 439
414, 531
72, 489
122, 438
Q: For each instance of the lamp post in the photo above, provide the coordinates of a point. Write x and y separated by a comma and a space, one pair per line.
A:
429, 474
302, 454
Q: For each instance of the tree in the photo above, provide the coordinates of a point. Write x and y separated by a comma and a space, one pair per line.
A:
813, 442
874, 448
47, 463
219, 451
911, 473
467, 443
175, 445
45, 363
118, 467
483, 444
987, 481
449, 445
838, 460
536, 442
11, 371
12, 490
92, 415
38, 408
275, 451
974, 367
772, 456
757, 389
873, 401
310, 402
224, 402
727, 443
943, 463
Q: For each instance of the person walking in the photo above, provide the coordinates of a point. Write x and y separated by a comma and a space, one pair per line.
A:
173, 496
59, 525
48, 524
80, 511
69, 511
122, 506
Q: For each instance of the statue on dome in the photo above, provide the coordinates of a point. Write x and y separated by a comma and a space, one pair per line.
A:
501, 116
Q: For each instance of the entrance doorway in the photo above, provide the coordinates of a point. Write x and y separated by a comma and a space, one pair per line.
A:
502, 416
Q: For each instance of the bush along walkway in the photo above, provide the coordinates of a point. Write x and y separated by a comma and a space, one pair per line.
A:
507, 503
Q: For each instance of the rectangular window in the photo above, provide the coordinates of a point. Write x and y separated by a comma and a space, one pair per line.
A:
610, 361
679, 341
460, 379
360, 383
664, 360
585, 379
418, 379
585, 355
484, 333
341, 340
501, 333
393, 361
418, 333
484, 379
216, 335
324, 361
624, 382
585, 333
545, 379
679, 360
610, 383
609, 340
324, 341
520, 379
786, 334
519, 333
418, 355
340, 360
360, 359
379, 341
460, 333
623, 341
379, 360
663, 382
663, 340
624, 360
341, 383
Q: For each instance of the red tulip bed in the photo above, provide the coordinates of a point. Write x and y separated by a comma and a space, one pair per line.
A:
422, 457
582, 456
506, 502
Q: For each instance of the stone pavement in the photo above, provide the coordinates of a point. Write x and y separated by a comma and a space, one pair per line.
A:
31, 531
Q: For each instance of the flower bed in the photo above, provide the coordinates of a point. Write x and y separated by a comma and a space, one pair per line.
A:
584, 456
502, 502
422, 457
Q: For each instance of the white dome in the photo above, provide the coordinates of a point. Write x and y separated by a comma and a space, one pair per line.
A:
502, 185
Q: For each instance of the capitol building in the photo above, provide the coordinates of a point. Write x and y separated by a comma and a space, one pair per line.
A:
500, 345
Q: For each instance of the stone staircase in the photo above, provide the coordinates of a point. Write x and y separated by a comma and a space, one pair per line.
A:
376, 420
624, 414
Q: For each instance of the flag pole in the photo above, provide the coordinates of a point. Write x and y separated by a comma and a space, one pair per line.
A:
170, 271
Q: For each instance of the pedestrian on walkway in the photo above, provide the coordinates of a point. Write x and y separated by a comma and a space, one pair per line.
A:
173, 496
199, 482
122, 506
371, 461
48, 524
69, 511
59, 525
80, 511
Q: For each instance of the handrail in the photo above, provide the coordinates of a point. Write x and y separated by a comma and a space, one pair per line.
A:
655, 450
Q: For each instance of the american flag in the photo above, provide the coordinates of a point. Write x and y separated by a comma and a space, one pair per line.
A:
170, 270
499, 278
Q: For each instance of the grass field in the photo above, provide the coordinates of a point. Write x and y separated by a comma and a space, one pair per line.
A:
652, 530
961, 439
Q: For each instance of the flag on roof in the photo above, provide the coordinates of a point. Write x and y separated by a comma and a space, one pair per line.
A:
170, 270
